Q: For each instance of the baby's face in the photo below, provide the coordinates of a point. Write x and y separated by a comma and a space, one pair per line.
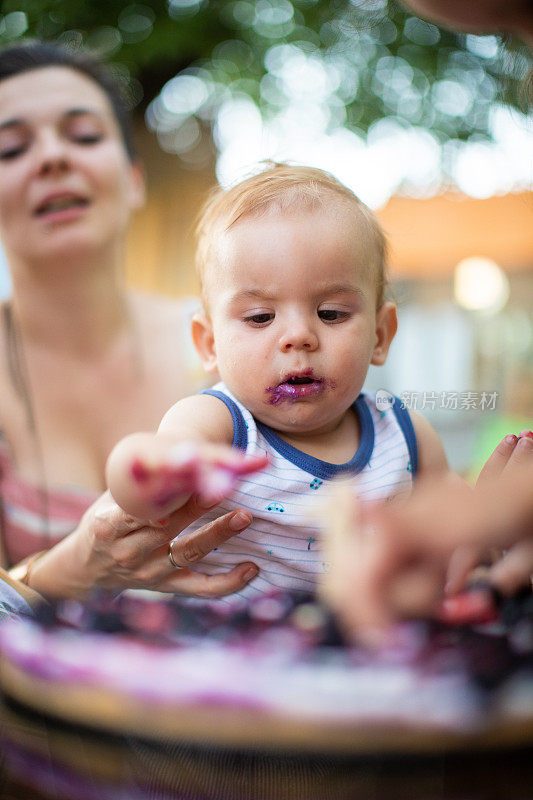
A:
293, 312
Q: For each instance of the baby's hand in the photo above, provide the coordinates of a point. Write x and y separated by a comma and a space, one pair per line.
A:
211, 471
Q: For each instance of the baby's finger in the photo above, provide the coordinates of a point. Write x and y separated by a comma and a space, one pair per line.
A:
366, 612
219, 477
246, 465
194, 467
463, 560
522, 453
498, 460
515, 569
215, 482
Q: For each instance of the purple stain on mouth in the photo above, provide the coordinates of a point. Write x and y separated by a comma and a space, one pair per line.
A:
296, 387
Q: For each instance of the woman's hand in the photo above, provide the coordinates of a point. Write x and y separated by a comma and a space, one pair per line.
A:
111, 549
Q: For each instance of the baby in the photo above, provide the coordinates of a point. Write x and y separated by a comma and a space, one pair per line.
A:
292, 270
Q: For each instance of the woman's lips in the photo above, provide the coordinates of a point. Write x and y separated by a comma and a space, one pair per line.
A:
63, 215
295, 387
60, 207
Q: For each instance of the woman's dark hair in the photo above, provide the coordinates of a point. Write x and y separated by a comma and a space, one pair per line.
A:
34, 54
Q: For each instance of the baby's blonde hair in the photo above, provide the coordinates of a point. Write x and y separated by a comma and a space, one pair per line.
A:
284, 187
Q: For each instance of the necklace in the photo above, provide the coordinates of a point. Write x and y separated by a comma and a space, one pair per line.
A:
19, 375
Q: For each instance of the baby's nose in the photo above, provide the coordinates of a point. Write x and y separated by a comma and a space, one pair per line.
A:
301, 337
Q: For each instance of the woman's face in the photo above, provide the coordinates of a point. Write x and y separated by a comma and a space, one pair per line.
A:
67, 187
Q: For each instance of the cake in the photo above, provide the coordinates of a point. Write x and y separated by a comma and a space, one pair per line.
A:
276, 674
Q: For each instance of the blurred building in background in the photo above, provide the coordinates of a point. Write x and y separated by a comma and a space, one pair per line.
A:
463, 279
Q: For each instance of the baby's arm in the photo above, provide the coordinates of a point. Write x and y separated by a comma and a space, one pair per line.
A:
151, 475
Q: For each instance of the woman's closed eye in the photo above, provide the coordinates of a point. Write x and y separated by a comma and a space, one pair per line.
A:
84, 128
11, 145
7, 153
84, 132
11, 149
260, 319
88, 138
332, 314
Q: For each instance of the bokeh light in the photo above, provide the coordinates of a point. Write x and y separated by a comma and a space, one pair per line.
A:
304, 95
480, 285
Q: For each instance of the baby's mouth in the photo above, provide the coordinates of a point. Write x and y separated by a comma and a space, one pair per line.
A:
295, 387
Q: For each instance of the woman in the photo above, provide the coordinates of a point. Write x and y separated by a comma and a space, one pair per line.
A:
83, 361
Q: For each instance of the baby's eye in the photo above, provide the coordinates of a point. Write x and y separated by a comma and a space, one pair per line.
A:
259, 320
332, 315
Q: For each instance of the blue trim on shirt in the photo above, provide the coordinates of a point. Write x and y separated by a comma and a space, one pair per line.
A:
240, 431
323, 469
406, 424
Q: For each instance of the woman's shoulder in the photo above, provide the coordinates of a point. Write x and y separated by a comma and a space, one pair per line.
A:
164, 326
162, 319
158, 310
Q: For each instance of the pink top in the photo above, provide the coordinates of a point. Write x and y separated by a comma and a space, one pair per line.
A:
25, 507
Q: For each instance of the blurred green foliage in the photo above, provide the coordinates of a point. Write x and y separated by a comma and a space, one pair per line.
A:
376, 59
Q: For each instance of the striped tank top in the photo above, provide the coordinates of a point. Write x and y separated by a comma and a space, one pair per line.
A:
283, 539
31, 518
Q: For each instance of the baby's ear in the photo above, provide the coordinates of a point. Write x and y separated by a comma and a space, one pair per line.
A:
386, 326
204, 341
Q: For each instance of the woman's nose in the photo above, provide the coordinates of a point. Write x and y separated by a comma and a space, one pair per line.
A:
299, 336
52, 155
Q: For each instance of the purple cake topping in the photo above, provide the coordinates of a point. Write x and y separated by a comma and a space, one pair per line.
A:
295, 387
